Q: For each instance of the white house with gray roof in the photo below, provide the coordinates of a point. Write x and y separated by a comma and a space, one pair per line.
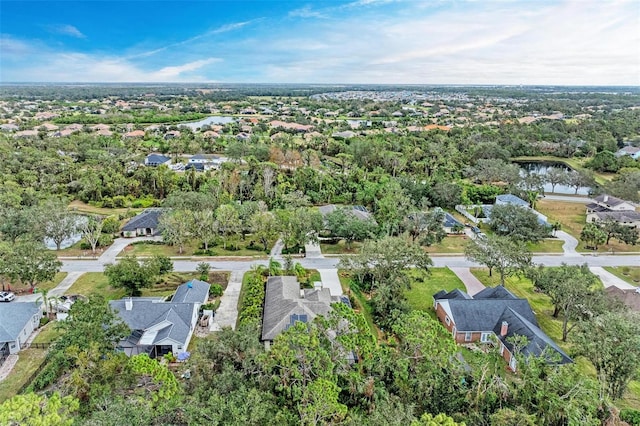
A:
17, 321
144, 224
159, 327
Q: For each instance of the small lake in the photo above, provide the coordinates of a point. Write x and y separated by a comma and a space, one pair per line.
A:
81, 220
540, 168
214, 119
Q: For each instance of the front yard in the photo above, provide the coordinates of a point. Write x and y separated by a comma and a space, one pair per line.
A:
243, 248
424, 286
630, 274
97, 283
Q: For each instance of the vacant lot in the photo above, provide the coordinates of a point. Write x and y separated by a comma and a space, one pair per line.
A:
152, 249
97, 283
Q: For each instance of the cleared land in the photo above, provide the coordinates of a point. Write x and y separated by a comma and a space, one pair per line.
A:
152, 249
424, 286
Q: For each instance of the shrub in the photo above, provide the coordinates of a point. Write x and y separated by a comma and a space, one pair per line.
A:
44, 320
105, 240
215, 290
630, 416
253, 300
110, 225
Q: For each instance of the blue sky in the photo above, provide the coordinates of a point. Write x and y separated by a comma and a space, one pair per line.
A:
573, 42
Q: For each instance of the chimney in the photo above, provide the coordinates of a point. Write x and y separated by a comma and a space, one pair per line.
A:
504, 329
605, 198
128, 303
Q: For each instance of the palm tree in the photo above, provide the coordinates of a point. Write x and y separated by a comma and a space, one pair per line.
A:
44, 297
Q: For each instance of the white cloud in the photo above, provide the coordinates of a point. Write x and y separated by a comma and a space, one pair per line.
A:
306, 12
69, 30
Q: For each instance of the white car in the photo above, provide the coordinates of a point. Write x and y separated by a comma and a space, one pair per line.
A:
6, 296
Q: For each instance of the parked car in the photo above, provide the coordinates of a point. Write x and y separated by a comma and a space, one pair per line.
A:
6, 296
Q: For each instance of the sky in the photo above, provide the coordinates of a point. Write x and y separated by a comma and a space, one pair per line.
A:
531, 42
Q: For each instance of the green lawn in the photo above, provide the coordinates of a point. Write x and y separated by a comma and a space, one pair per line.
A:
28, 362
340, 248
48, 285
102, 211
97, 283
546, 246
190, 248
450, 244
630, 274
48, 333
424, 286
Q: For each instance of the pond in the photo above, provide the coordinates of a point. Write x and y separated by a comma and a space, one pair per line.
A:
540, 168
80, 220
214, 119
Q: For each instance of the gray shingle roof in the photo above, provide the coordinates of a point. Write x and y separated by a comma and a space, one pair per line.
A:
511, 199
283, 304
498, 292
609, 200
146, 314
538, 341
157, 158
453, 294
483, 314
14, 316
619, 216
194, 291
147, 219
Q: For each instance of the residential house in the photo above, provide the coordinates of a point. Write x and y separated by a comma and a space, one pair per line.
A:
629, 297
134, 134
604, 203
494, 315
19, 320
631, 151
144, 224
511, 199
607, 207
451, 224
159, 327
285, 304
359, 212
208, 161
155, 160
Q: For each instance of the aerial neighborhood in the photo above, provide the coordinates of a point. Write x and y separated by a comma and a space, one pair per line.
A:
291, 254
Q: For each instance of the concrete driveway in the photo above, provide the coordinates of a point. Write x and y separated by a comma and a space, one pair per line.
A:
608, 279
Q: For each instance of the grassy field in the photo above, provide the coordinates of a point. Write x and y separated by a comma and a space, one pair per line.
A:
450, 244
189, 250
546, 246
28, 362
86, 208
47, 334
630, 274
543, 309
424, 286
340, 248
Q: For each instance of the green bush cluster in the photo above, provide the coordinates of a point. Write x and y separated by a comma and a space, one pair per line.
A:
630, 416
253, 300
215, 290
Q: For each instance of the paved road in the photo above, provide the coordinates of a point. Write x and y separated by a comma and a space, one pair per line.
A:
332, 262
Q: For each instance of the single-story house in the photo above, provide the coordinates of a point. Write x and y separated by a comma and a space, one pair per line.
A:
144, 224
155, 160
609, 203
19, 320
359, 212
450, 223
631, 151
208, 161
626, 218
511, 199
494, 315
285, 304
629, 297
159, 327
